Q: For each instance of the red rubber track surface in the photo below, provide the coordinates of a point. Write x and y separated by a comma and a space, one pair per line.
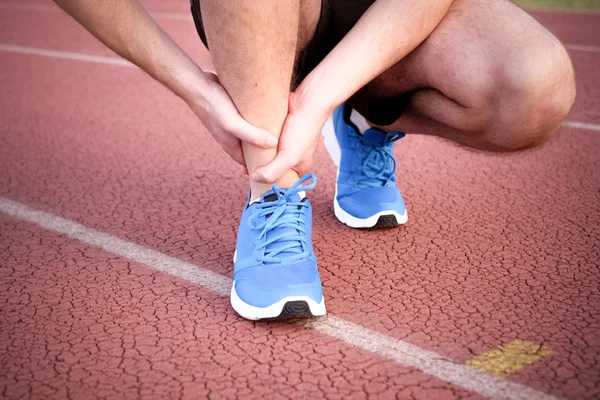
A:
496, 248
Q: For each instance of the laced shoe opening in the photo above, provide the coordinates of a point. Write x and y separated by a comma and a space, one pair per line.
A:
280, 220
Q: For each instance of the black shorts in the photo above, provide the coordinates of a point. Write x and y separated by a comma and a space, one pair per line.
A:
336, 20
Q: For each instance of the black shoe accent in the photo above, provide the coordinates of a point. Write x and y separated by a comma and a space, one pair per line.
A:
270, 197
386, 221
294, 309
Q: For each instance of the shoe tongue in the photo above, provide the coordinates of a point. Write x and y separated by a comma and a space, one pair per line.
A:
271, 196
376, 136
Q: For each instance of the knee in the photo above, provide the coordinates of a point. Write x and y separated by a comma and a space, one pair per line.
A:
531, 98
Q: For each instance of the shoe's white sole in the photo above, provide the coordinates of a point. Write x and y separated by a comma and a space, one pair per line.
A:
370, 222
333, 148
287, 307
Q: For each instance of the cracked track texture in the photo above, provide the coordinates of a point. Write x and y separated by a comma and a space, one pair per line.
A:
79, 323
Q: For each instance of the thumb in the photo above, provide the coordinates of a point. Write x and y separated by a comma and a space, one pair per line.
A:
274, 170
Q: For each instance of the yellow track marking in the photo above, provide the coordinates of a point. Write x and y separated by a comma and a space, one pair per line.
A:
509, 358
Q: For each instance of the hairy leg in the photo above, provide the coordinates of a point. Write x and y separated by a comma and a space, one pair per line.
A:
253, 45
489, 77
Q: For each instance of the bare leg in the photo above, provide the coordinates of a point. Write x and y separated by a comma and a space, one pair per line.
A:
489, 77
253, 46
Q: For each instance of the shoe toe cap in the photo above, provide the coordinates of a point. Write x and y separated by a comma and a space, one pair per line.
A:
261, 286
368, 202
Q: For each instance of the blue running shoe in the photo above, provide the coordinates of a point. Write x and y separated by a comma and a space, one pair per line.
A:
366, 195
275, 269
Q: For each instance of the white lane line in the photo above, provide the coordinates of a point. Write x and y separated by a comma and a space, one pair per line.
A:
582, 47
122, 62
582, 125
55, 9
426, 361
159, 261
66, 55
404, 353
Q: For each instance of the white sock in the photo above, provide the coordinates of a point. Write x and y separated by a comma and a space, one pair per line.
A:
361, 123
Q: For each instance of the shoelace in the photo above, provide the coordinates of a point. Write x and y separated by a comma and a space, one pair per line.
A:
379, 166
285, 215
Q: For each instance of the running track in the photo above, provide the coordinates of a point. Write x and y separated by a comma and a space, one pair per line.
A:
117, 225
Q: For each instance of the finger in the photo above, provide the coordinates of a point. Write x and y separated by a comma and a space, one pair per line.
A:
271, 172
255, 136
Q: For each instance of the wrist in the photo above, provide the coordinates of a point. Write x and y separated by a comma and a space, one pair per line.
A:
191, 84
314, 94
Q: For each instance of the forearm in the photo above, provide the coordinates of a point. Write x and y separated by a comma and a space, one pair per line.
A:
386, 33
126, 28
